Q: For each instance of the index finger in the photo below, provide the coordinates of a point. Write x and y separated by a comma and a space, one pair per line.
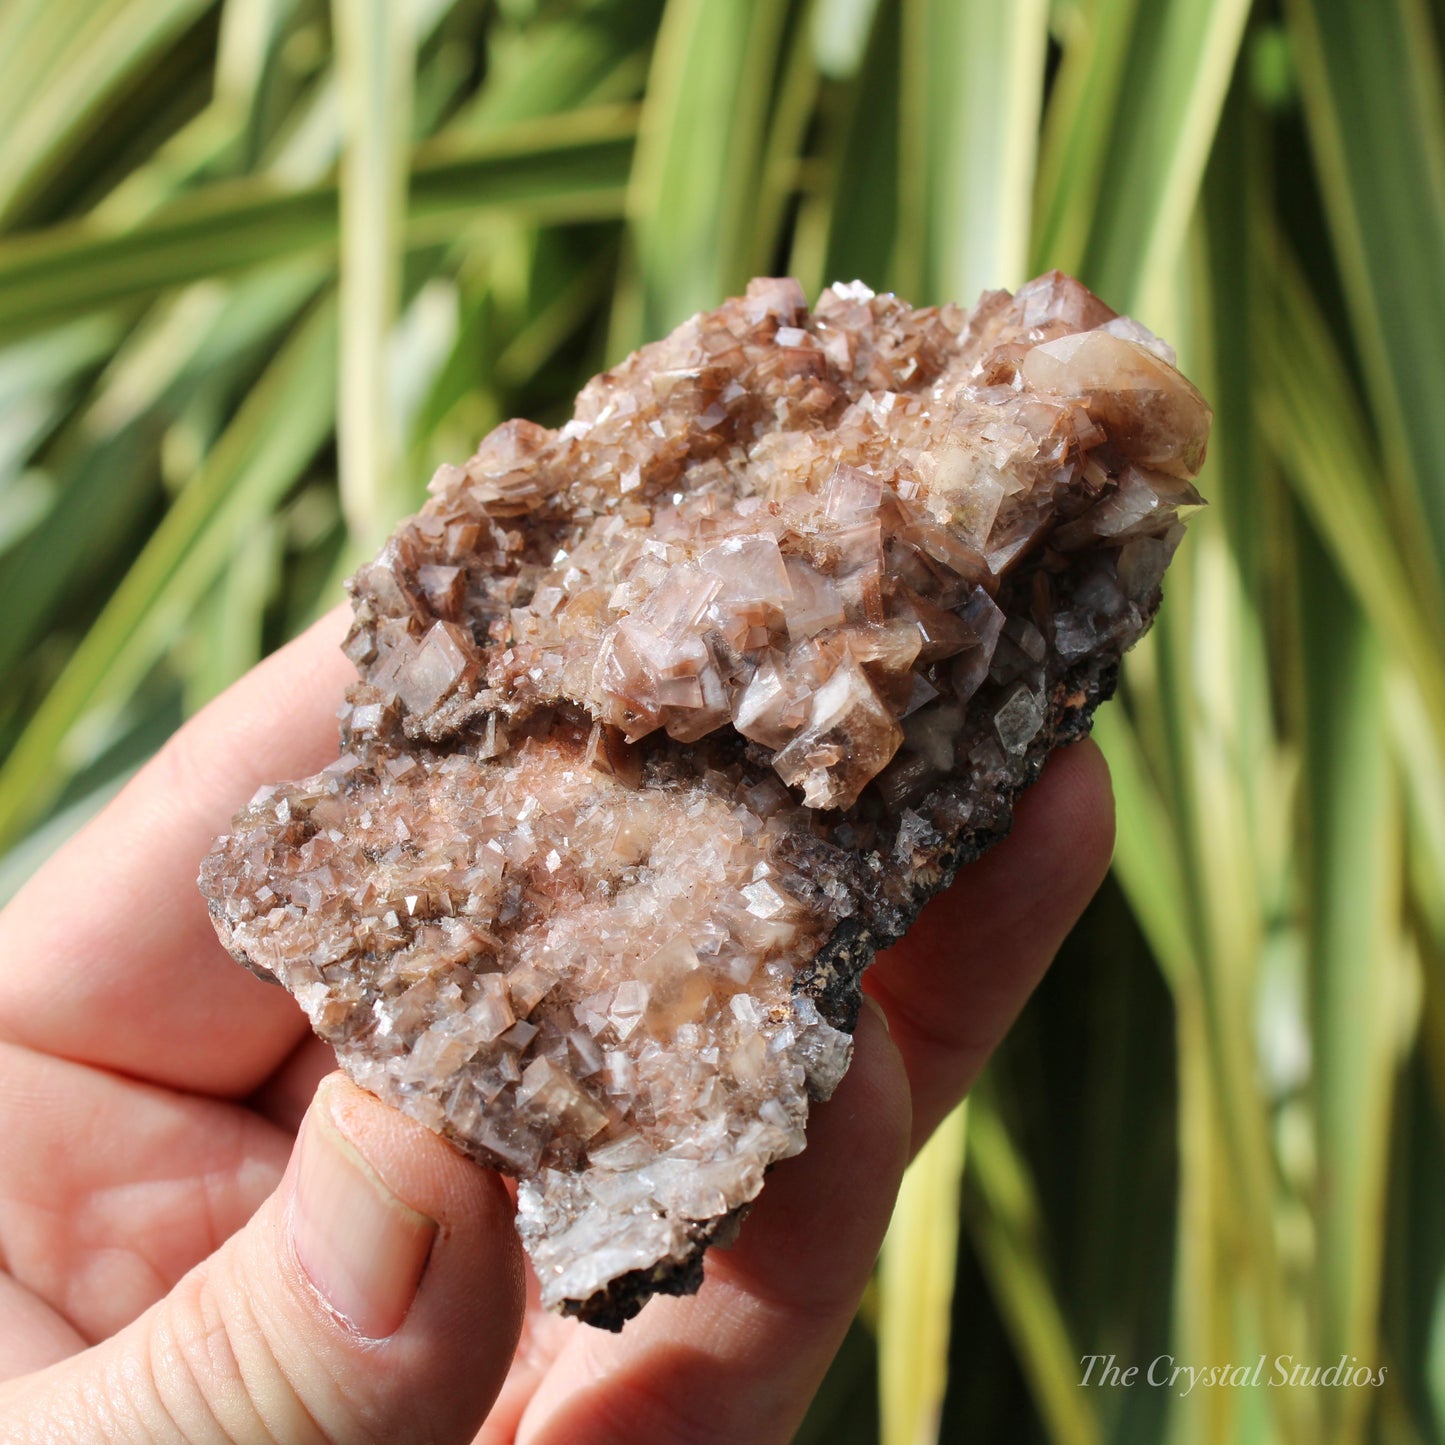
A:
955, 984
108, 954
740, 1360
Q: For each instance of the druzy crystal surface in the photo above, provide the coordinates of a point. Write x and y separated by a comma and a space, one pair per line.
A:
667, 719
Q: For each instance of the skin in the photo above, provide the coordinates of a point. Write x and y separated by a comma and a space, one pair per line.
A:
150, 1097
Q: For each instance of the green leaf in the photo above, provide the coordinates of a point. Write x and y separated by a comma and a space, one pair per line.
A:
915, 1288
1358, 980
375, 57
971, 91
60, 66
273, 437
848, 220
1161, 126
1005, 1225
104, 465
589, 54
701, 138
1314, 425
1374, 99
1085, 101
227, 638
568, 167
1146, 855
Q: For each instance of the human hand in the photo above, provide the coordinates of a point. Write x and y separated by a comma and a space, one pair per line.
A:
175, 1264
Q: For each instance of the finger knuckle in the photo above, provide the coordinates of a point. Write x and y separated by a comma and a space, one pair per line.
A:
215, 1372
194, 1362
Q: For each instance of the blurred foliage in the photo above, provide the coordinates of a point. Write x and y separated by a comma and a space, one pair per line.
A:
265, 263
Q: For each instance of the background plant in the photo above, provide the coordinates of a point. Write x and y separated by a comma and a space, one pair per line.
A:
264, 263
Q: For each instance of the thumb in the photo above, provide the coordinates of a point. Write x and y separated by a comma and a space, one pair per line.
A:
375, 1296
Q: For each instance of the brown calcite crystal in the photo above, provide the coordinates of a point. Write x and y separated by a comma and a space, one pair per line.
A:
668, 719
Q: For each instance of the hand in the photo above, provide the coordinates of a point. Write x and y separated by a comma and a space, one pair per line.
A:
179, 1265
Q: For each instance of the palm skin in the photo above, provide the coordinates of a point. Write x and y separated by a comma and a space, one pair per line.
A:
151, 1092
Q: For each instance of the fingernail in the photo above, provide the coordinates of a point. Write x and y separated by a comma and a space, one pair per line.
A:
360, 1246
872, 1003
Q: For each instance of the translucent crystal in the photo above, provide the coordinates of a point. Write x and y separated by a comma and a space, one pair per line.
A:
667, 719
849, 738
434, 669
1152, 414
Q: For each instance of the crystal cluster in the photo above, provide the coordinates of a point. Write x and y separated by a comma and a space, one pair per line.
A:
668, 719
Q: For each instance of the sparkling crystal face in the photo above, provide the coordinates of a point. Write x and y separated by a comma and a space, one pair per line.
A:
667, 719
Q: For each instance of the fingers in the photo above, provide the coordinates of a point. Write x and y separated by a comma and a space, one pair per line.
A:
108, 954
376, 1295
955, 984
32, 1335
112, 1189
741, 1360
287, 1094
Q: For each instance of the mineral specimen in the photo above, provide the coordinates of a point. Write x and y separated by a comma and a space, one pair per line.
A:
669, 718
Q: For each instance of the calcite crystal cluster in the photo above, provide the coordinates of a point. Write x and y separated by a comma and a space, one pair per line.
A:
668, 719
